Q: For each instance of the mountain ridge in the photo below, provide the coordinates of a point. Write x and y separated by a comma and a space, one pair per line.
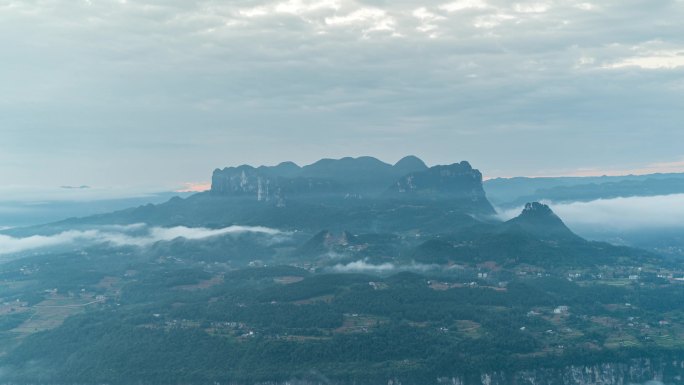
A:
355, 178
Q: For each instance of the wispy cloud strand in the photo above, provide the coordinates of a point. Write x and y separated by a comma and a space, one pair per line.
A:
136, 235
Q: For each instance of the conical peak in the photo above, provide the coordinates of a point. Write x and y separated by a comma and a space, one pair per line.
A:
536, 208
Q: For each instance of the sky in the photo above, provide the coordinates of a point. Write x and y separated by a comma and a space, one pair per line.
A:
153, 95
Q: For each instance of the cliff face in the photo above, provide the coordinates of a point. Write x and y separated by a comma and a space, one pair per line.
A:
409, 179
363, 175
458, 182
458, 179
243, 180
265, 186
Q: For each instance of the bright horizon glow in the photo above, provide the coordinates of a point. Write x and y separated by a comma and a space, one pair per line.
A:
189, 187
33, 193
653, 168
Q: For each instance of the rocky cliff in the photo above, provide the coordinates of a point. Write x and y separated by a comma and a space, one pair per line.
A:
346, 176
459, 183
363, 177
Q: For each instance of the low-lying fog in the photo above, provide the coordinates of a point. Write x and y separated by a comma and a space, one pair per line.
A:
132, 235
655, 221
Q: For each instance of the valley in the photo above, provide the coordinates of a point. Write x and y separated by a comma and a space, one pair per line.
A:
416, 284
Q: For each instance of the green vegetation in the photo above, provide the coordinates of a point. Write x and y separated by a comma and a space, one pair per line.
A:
420, 289
249, 326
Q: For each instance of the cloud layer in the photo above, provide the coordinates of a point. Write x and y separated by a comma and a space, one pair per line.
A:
362, 266
620, 213
139, 235
163, 92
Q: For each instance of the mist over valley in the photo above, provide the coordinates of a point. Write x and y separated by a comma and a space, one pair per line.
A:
364, 270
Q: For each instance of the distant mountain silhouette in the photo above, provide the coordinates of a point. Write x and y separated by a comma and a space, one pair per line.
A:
513, 192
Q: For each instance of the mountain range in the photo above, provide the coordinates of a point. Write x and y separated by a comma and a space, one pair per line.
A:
349, 271
513, 192
357, 194
402, 212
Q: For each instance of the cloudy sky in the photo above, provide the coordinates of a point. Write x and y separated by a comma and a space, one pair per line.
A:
154, 94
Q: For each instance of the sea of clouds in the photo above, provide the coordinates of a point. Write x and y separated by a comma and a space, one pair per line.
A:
664, 211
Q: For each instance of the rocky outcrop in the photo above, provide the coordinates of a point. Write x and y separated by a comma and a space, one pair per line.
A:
346, 177
458, 182
263, 185
458, 179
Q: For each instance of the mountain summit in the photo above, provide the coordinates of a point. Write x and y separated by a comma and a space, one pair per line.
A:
410, 164
363, 175
538, 219
538, 210
457, 183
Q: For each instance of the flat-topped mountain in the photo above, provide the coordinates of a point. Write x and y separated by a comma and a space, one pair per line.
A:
356, 194
363, 175
356, 178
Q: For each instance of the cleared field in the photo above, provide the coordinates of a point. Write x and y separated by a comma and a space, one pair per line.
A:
202, 284
358, 323
51, 313
669, 340
322, 298
469, 328
286, 280
45, 319
620, 340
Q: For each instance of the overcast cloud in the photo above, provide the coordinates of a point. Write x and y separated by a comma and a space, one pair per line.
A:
147, 94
